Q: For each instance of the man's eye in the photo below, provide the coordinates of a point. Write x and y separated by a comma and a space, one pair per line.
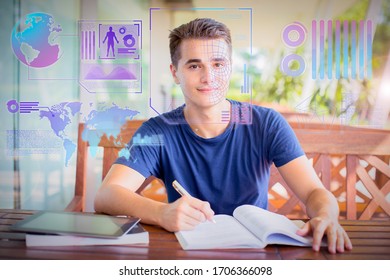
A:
219, 65
194, 66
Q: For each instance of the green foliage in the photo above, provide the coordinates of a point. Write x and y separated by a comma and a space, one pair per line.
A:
328, 95
279, 88
276, 88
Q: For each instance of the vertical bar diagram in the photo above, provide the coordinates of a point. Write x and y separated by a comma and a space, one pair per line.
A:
93, 44
337, 51
330, 48
322, 53
89, 44
86, 44
88, 48
345, 49
353, 49
82, 45
245, 86
369, 49
314, 49
361, 49
356, 49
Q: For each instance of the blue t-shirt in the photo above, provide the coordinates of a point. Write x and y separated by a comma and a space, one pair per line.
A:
228, 170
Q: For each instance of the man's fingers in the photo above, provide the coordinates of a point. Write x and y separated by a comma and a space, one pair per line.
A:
304, 230
337, 238
180, 215
347, 241
332, 236
202, 206
190, 222
186, 213
188, 209
318, 233
340, 241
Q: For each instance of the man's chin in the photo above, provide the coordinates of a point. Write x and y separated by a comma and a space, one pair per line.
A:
206, 102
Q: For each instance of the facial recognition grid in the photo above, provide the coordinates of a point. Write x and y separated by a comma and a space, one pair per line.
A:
219, 66
228, 16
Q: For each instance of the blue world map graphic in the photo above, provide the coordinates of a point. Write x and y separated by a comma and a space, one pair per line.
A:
105, 121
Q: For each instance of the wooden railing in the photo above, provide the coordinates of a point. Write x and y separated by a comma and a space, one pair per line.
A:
353, 163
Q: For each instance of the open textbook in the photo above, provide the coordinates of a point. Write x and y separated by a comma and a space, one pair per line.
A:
137, 235
249, 227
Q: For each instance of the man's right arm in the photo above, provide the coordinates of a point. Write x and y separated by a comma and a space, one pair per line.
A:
117, 196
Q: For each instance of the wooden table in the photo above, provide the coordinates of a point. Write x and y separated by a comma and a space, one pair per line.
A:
371, 240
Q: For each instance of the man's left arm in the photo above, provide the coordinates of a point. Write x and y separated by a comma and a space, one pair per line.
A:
321, 205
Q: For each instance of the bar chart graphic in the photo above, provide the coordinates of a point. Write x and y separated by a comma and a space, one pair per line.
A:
339, 49
246, 84
343, 48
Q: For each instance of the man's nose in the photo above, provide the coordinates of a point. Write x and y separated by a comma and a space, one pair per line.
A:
208, 75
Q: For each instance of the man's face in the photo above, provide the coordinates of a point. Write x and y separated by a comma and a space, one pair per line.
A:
203, 71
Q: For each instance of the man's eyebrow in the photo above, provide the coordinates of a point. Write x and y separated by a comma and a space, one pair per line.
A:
197, 60
193, 60
218, 59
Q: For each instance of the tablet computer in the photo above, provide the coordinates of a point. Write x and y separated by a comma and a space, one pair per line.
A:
74, 223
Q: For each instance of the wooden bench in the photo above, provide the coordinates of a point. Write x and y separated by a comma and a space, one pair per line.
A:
353, 163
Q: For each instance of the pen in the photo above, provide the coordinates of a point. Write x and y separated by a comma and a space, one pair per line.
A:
182, 191
179, 188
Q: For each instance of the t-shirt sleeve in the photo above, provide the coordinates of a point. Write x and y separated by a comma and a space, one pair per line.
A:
143, 151
283, 145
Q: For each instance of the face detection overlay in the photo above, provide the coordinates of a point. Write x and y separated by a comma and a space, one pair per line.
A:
212, 69
166, 96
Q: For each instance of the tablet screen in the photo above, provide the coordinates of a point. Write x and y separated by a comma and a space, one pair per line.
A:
76, 224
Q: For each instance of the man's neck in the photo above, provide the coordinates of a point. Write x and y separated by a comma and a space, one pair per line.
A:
208, 122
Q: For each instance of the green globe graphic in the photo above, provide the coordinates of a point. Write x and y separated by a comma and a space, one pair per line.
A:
34, 40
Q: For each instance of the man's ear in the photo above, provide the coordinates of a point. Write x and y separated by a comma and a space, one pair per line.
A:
173, 71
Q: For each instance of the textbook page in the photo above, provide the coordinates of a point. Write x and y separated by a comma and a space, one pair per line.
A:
270, 227
227, 232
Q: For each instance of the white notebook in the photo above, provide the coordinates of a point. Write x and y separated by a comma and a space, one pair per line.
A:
249, 227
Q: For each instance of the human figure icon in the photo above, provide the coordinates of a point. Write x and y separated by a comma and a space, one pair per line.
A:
110, 35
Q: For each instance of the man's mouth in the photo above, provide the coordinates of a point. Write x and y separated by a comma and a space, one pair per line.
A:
206, 90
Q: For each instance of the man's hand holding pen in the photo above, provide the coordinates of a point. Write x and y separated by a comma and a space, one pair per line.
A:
185, 213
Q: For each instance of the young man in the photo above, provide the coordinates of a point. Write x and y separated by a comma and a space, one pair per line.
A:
222, 164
